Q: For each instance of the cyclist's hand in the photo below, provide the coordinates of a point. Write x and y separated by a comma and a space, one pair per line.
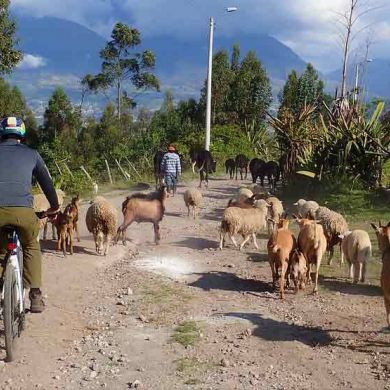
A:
53, 211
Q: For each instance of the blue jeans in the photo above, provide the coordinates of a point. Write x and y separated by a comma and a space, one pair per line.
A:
171, 181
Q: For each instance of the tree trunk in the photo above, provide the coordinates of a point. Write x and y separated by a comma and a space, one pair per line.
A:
119, 92
349, 25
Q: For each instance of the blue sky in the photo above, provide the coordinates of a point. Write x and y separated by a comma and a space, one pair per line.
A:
307, 26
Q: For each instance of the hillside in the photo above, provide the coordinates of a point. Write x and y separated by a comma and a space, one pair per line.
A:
60, 52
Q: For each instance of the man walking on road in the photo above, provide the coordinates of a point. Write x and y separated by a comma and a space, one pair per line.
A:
171, 169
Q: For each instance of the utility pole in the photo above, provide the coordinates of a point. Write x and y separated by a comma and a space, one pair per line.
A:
209, 76
356, 84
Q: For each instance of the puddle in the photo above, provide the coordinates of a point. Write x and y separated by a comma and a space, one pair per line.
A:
171, 266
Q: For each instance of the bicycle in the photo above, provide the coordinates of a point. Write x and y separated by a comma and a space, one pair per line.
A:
12, 306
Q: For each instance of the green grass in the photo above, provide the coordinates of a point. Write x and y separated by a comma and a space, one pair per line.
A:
187, 333
191, 369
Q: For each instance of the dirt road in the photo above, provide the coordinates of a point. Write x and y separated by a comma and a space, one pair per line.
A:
113, 322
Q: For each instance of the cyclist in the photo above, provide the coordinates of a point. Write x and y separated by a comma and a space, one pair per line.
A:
171, 168
18, 165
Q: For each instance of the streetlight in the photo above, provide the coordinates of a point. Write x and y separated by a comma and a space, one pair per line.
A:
209, 77
367, 60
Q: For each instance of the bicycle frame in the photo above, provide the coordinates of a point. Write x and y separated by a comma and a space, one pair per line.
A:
14, 259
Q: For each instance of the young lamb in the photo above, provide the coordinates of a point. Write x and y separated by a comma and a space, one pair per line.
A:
383, 236
276, 212
101, 220
280, 246
193, 199
356, 247
312, 243
143, 208
334, 224
246, 222
298, 270
306, 207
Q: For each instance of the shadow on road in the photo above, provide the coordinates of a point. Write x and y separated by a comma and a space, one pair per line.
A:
50, 246
346, 287
230, 282
257, 257
197, 243
272, 330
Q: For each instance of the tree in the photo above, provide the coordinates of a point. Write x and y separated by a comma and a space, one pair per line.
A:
120, 65
306, 90
220, 88
235, 62
60, 118
288, 97
348, 21
250, 95
9, 55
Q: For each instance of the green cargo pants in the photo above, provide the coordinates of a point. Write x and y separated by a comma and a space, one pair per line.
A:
27, 226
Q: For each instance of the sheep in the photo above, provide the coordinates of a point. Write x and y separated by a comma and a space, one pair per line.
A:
193, 199
298, 270
312, 243
247, 222
40, 203
383, 236
143, 208
276, 212
333, 224
101, 220
306, 207
356, 247
244, 192
280, 246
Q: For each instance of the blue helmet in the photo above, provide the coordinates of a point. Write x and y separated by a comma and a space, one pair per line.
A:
12, 126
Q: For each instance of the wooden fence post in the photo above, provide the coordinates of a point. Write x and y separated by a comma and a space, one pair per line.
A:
68, 169
124, 173
86, 173
59, 169
109, 172
132, 166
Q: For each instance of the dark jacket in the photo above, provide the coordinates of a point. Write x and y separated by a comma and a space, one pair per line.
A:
18, 165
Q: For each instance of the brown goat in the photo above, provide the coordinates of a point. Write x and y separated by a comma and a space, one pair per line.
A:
66, 223
64, 227
312, 243
383, 235
280, 246
143, 208
298, 270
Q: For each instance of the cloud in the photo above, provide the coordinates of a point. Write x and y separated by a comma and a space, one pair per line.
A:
31, 61
308, 26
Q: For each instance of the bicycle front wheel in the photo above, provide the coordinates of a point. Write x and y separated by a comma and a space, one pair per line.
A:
10, 312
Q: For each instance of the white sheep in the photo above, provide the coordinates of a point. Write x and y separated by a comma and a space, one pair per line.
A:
306, 207
334, 224
244, 192
246, 222
356, 247
101, 221
193, 200
275, 212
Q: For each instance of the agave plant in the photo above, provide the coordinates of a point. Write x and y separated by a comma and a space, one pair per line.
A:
298, 136
359, 144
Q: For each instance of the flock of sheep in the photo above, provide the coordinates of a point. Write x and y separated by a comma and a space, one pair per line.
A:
250, 213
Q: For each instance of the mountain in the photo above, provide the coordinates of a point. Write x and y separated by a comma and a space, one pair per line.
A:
60, 52
373, 76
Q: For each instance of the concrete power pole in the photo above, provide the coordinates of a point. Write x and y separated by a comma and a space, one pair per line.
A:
209, 77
